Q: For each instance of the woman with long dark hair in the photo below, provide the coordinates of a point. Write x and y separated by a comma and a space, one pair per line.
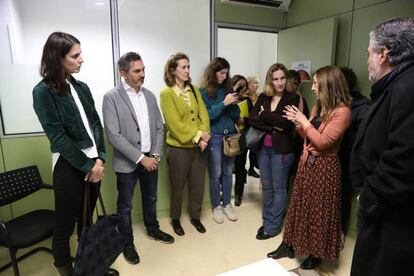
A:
313, 221
222, 108
66, 110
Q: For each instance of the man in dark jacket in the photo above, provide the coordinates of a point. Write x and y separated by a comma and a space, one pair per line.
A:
382, 161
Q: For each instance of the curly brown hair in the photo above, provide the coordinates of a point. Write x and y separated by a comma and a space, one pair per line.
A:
209, 82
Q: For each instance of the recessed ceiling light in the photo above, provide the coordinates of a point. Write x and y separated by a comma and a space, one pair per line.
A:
99, 4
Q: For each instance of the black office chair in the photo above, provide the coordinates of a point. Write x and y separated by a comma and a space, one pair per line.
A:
28, 229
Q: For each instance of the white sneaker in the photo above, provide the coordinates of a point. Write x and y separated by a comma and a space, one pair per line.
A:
218, 214
229, 212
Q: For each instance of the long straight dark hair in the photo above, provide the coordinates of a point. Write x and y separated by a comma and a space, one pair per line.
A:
57, 45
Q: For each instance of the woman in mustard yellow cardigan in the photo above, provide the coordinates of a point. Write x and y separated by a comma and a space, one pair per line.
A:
188, 127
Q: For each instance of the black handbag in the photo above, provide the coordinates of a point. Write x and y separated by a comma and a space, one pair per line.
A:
100, 243
254, 138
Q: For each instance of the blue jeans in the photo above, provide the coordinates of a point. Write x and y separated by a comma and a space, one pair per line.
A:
274, 171
221, 169
126, 184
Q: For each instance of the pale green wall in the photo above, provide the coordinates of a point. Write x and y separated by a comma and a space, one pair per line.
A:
306, 11
256, 16
303, 43
354, 18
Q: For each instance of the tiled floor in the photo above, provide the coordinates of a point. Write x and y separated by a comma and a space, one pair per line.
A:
222, 248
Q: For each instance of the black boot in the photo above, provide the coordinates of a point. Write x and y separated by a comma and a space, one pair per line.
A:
111, 272
311, 262
237, 200
282, 251
66, 270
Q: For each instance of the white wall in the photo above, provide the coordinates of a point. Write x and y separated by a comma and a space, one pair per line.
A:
156, 29
249, 53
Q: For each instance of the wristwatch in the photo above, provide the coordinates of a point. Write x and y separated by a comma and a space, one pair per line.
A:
156, 157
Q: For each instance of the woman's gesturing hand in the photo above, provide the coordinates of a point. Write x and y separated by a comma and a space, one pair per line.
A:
292, 113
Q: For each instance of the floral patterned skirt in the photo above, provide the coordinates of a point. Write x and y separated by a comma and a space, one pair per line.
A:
313, 221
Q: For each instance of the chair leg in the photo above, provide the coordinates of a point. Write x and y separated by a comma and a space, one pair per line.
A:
14, 261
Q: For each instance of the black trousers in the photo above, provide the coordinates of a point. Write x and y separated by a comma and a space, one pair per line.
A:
254, 163
240, 171
69, 184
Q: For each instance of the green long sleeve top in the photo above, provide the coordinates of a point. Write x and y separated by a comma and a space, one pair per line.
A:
183, 121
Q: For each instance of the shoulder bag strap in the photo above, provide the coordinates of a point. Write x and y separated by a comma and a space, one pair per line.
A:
87, 216
101, 202
192, 90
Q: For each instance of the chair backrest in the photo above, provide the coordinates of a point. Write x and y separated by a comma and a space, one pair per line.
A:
19, 183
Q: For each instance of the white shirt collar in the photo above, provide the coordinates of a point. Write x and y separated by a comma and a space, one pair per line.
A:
129, 88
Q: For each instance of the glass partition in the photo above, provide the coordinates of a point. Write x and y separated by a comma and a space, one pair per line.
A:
24, 28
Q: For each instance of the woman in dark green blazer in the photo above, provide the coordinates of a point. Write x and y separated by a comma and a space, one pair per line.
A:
65, 108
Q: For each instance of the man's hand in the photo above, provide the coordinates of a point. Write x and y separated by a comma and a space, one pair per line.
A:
149, 163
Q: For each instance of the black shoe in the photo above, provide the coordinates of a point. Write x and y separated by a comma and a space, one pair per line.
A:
178, 229
262, 235
111, 272
197, 224
65, 270
253, 173
311, 262
237, 200
161, 236
131, 254
282, 251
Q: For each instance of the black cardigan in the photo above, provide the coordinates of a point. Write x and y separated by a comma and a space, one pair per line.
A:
273, 122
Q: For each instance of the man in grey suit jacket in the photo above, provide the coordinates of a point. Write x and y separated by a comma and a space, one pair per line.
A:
134, 127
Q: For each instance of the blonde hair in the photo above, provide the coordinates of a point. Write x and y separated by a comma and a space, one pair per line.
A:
252, 79
332, 90
269, 89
